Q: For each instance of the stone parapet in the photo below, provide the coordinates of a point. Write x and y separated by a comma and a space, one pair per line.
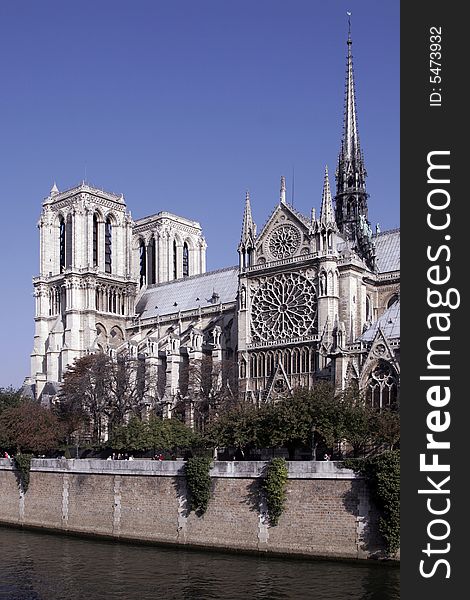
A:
171, 468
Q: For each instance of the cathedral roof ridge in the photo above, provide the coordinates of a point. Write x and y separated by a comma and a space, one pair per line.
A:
83, 186
386, 232
204, 291
192, 277
165, 214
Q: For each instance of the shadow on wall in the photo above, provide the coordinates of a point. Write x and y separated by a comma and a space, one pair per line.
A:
357, 502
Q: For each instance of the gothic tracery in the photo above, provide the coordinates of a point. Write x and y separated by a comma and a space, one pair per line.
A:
284, 241
284, 306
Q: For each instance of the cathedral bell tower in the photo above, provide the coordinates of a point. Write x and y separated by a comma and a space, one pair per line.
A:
351, 196
85, 290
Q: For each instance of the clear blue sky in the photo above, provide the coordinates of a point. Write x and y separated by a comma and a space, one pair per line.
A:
183, 105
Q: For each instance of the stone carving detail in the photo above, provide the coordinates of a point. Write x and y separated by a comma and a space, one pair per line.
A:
284, 306
284, 241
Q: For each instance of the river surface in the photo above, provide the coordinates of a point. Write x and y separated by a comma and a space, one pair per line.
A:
43, 566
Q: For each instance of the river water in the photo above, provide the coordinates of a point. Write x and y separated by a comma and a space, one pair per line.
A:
42, 566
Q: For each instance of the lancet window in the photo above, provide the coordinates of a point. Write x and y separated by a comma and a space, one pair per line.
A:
152, 261
175, 261
95, 240
108, 246
62, 243
185, 260
68, 241
142, 263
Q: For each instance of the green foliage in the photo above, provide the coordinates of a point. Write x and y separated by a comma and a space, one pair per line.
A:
23, 464
199, 483
9, 397
291, 421
274, 486
382, 472
156, 433
238, 426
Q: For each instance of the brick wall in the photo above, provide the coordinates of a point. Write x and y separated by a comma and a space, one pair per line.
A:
328, 512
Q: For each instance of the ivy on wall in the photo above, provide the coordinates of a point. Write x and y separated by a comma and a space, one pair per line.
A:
274, 487
23, 464
382, 474
198, 481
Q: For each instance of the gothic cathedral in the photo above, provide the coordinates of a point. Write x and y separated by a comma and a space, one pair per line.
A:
312, 297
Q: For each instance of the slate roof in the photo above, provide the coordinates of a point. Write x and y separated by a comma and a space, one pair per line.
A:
189, 293
387, 245
389, 322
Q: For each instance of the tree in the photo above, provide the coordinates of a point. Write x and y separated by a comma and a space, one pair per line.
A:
129, 382
293, 420
237, 426
386, 428
9, 397
156, 433
29, 427
100, 392
357, 422
84, 395
133, 437
309, 416
207, 388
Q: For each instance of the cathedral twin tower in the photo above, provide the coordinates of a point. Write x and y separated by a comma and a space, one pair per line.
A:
312, 298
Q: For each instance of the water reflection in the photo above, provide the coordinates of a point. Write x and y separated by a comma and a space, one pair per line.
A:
40, 566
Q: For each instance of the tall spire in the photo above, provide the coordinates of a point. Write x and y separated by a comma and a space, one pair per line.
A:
326, 210
351, 209
350, 149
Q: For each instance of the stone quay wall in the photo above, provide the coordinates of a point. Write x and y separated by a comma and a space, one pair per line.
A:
328, 511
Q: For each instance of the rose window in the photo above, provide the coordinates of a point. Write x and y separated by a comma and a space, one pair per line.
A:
284, 241
284, 306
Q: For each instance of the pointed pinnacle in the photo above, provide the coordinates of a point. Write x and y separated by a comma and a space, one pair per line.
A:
326, 211
248, 226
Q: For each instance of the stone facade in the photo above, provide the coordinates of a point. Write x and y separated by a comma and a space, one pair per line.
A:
328, 511
312, 298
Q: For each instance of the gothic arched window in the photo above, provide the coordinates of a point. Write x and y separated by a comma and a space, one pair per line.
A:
382, 386
269, 364
68, 242
95, 240
242, 368
142, 263
108, 234
152, 261
62, 243
248, 258
175, 261
185, 260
